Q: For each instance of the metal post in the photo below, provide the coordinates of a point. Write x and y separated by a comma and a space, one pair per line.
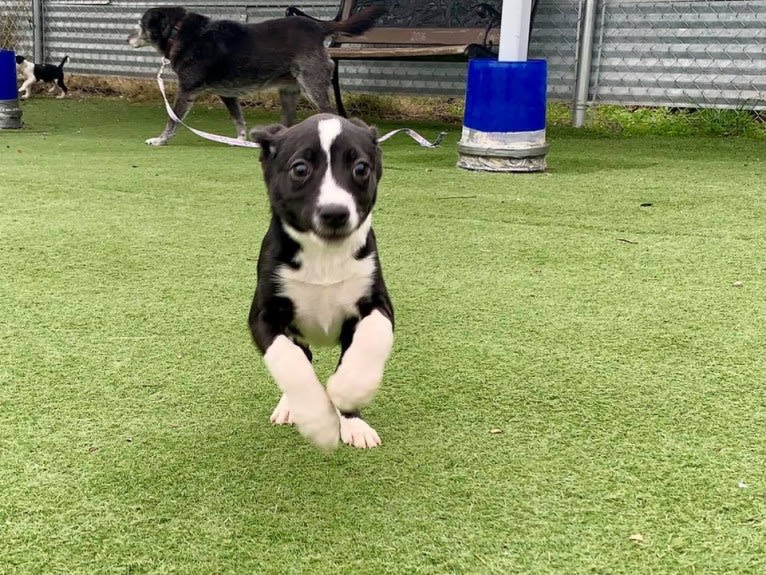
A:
584, 59
37, 30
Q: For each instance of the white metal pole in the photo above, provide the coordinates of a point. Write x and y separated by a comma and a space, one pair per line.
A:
514, 30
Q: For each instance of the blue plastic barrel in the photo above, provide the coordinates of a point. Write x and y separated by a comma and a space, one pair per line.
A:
504, 120
10, 114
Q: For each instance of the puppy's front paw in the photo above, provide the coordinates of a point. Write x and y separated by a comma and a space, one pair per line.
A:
320, 426
159, 141
356, 432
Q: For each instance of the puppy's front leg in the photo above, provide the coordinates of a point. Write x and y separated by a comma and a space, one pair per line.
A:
25, 88
360, 371
310, 408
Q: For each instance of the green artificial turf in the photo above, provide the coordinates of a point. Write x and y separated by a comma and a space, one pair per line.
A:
577, 384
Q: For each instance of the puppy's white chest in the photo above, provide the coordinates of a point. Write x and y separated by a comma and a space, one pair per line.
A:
325, 292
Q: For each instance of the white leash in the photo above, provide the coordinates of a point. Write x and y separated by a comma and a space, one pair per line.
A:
200, 133
245, 144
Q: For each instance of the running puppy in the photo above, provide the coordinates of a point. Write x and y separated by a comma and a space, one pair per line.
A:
231, 59
319, 277
31, 73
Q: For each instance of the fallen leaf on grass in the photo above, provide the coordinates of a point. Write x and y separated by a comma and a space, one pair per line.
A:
495, 431
637, 538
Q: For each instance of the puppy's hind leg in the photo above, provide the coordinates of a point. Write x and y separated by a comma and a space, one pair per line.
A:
235, 111
181, 107
62, 87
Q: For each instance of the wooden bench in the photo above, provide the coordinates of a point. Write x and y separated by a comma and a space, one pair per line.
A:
447, 30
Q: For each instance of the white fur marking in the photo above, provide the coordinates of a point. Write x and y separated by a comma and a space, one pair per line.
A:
357, 432
328, 284
330, 192
315, 416
360, 372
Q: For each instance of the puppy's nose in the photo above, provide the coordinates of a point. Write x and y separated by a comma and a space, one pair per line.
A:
334, 216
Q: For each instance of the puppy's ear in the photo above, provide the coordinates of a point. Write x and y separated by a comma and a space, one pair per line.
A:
267, 138
372, 130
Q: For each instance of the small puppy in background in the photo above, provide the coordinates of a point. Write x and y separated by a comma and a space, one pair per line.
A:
319, 277
31, 73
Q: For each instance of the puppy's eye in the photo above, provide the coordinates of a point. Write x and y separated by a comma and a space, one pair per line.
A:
299, 171
361, 170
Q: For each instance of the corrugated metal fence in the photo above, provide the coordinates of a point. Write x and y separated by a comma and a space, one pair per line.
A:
700, 53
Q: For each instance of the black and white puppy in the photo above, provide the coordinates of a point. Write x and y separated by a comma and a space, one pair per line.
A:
319, 277
231, 59
31, 73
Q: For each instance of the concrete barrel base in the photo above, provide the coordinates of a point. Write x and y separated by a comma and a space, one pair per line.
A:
10, 114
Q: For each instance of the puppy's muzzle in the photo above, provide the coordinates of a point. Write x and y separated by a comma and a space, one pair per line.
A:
333, 221
136, 39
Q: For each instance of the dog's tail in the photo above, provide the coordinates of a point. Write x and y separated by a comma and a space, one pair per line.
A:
64, 61
356, 24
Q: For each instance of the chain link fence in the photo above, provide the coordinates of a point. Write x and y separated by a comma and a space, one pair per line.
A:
676, 56
15, 24
681, 56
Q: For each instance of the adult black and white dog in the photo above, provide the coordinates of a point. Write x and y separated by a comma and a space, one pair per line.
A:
319, 276
31, 73
231, 59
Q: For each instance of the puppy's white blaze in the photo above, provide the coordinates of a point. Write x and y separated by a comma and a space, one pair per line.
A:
328, 131
312, 412
360, 372
357, 432
330, 193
